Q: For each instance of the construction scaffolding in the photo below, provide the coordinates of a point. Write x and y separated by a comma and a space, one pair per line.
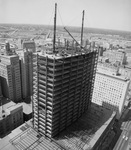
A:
62, 89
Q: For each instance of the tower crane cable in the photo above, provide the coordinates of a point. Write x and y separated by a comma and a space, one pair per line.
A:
50, 18
60, 17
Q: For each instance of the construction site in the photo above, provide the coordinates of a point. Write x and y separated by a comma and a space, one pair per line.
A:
93, 130
63, 80
62, 89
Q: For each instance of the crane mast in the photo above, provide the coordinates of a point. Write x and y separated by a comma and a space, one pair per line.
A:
54, 39
82, 28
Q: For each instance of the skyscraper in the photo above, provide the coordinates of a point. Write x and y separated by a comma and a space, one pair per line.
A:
25, 57
62, 89
10, 77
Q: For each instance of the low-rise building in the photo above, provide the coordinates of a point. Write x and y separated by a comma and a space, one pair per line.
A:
115, 55
91, 132
11, 116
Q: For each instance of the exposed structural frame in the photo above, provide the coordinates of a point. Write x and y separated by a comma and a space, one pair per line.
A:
62, 90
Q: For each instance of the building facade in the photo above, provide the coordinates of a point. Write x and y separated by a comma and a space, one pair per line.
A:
29, 45
114, 56
26, 72
10, 77
110, 90
10, 118
62, 89
0, 89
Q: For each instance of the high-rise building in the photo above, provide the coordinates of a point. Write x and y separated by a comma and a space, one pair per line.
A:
110, 90
62, 89
10, 77
26, 72
29, 45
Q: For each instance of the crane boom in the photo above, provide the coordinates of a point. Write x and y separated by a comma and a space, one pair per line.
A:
73, 37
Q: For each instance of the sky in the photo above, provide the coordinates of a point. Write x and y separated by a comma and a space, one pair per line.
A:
107, 14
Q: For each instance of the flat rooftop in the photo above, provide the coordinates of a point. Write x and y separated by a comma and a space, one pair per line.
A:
82, 134
5, 142
8, 56
25, 137
111, 74
27, 108
7, 107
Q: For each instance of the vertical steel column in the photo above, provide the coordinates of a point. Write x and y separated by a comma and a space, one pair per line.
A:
54, 40
46, 95
82, 29
53, 86
38, 91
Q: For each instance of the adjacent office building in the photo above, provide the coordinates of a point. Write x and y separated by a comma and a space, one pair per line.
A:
10, 77
26, 67
110, 90
62, 89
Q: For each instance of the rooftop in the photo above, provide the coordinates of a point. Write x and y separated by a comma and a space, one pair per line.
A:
5, 142
27, 108
111, 74
63, 53
8, 56
82, 134
115, 51
28, 42
7, 107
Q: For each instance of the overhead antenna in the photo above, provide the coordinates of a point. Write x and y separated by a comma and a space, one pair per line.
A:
82, 28
54, 40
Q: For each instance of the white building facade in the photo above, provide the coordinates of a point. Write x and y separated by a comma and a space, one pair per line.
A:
110, 91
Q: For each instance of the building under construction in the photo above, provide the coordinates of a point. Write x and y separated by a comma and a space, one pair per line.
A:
63, 82
62, 89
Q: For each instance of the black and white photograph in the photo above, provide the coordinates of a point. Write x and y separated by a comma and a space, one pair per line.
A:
65, 74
